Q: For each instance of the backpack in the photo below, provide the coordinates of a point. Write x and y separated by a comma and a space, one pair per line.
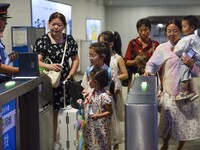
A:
130, 69
88, 69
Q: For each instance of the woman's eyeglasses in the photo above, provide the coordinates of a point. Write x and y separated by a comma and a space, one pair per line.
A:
92, 56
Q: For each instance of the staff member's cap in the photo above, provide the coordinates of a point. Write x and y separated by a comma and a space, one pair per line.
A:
4, 10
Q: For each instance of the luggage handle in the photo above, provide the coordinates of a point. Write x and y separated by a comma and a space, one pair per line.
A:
64, 93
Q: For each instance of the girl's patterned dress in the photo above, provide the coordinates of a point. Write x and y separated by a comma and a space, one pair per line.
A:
47, 49
97, 132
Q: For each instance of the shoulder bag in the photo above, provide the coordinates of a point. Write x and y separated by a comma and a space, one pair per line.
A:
55, 76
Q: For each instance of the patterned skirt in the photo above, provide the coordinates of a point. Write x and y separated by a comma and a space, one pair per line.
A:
180, 119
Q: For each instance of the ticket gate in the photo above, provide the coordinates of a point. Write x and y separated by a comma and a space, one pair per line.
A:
141, 115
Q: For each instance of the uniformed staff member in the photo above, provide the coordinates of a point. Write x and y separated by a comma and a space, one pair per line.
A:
5, 70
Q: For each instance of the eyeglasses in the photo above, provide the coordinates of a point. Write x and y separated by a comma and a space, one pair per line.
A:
144, 29
92, 56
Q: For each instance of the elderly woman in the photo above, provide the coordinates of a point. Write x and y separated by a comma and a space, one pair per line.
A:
179, 119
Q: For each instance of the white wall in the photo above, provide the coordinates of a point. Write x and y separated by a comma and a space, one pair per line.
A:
123, 19
20, 10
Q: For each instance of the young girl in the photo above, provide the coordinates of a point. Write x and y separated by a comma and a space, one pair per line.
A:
97, 111
99, 54
117, 64
189, 43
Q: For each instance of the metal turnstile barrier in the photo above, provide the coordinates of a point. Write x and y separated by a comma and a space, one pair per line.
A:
141, 115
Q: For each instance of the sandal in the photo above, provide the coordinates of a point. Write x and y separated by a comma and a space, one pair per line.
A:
192, 97
182, 96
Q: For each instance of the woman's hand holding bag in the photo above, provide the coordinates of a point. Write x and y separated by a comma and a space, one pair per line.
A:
54, 75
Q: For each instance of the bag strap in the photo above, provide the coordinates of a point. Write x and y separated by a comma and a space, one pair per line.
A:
48, 60
132, 48
88, 69
65, 48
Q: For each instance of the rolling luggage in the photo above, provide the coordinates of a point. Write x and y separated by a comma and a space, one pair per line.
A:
67, 130
68, 134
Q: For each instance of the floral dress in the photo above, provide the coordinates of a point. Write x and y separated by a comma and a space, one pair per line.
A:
180, 119
47, 49
97, 132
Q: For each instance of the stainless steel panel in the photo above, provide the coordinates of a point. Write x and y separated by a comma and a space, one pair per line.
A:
141, 127
45, 90
46, 128
141, 115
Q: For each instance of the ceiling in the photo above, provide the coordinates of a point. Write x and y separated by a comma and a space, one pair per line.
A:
149, 2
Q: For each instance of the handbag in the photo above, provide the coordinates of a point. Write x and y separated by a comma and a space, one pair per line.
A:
54, 75
75, 91
126, 81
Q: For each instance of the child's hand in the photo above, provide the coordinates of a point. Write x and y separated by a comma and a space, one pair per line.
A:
79, 101
94, 116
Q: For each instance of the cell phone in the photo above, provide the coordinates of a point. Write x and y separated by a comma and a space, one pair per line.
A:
190, 53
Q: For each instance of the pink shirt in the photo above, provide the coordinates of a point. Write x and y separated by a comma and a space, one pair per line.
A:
170, 63
168, 60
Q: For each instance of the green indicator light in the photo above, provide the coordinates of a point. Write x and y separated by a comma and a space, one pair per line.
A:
10, 84
144, 86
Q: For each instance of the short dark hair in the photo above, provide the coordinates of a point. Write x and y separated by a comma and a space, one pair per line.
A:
58, 15
192, 21
144, 22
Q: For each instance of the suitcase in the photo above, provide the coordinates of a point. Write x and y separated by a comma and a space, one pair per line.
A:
68, 134
67, 130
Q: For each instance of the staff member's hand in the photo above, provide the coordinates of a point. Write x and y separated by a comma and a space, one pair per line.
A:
188, 61
13, 56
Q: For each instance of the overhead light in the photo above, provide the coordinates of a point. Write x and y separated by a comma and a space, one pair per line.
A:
160, 25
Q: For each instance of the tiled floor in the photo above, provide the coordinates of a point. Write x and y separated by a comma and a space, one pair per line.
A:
192, 145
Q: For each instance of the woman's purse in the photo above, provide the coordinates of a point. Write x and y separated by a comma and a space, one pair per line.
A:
55, 76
